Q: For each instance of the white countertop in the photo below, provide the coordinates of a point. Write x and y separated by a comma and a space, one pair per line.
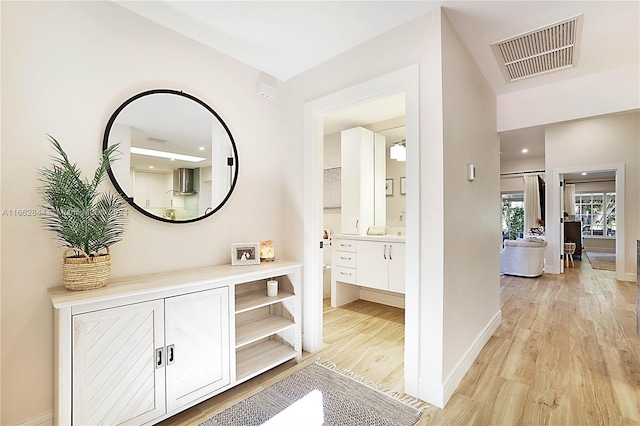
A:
386, 238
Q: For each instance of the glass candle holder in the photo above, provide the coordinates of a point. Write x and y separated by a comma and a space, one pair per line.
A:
267, 252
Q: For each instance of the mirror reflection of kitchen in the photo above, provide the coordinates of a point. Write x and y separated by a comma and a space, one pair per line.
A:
178, 163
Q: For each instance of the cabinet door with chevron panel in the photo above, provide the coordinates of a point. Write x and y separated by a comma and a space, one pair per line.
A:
115, 379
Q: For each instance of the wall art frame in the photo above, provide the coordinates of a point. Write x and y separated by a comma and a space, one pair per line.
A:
389, 187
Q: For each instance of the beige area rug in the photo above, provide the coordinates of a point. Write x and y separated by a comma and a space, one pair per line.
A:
604, 261
347, 399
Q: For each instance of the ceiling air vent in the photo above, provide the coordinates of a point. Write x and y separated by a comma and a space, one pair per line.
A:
156, 140
547, 49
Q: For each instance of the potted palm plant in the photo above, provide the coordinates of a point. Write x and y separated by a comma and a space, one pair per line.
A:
85, 221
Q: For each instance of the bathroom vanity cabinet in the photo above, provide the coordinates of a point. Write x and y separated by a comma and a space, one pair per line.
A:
145, 348
363, 263
381, 265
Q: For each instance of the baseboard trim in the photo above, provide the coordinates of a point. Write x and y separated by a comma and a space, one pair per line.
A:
439, 394
632, 278
455, 377
44, 420
431, 392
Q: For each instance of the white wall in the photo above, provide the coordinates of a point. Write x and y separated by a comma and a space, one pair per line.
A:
600, 244
515, 182
471, 209
611, 139
603, 93
66, 66
595, 186
525, 165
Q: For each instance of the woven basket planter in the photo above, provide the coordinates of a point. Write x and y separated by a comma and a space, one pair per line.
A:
85, 272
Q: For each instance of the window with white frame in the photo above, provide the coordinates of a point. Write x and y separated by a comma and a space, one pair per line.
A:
597, 212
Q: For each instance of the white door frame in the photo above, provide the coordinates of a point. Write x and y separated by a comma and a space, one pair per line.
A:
405, 80
619, 168
562, 189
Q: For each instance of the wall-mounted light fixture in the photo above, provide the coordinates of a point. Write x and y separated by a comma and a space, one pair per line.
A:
398, 151
471, 172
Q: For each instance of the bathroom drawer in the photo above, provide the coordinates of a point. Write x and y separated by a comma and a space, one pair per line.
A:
345, 258
345, 245
345, 275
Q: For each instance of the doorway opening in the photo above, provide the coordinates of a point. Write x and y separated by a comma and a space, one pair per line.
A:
369, 331
591, 208
590, 218
402, 81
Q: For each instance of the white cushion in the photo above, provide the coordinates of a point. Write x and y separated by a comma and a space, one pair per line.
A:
309, 408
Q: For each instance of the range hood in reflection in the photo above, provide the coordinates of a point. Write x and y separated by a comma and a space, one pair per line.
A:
183, 180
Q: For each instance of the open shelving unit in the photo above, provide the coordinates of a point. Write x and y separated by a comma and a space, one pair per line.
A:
267, 328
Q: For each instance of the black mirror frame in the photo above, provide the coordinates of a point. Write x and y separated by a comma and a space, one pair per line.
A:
114, 181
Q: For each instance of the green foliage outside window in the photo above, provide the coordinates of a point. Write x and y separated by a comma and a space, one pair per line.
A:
512, 221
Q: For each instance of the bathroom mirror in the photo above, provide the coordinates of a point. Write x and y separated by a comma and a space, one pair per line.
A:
179, 161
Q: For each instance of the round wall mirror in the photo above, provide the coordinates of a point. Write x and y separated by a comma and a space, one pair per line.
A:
179, 162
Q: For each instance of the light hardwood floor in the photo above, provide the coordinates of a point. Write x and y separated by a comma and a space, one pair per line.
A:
566, 353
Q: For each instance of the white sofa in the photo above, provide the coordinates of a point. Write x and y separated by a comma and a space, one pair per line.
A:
523, 258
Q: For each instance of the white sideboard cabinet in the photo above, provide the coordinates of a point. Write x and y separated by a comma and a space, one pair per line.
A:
145, 348
363, 176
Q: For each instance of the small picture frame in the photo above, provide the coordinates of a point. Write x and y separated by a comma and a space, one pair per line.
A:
245, 254
403, 186
389, 186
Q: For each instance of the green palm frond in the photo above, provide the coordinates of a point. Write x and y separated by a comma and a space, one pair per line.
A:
75, 211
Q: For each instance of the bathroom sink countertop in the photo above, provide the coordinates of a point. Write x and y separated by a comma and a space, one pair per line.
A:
386, 237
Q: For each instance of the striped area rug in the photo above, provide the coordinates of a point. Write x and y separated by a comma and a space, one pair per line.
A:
347, 400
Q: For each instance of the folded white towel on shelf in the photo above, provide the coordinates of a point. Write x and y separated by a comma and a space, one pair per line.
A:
376, 230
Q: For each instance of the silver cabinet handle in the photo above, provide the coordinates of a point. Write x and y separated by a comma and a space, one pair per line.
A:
344, 273
345, 258
357, 223
171, 355
159, 357
384, 252
390, 247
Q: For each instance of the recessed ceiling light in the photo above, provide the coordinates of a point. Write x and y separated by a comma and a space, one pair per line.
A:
584, 173
151, 167
524, 151
201, 148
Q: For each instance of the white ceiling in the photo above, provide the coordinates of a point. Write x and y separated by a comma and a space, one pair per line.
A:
364, 114
286, 38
